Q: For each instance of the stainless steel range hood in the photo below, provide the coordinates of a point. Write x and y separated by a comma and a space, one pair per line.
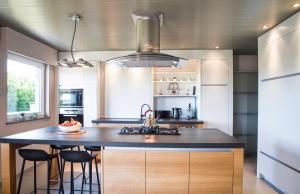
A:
148, 44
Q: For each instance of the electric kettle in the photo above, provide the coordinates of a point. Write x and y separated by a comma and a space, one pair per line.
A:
176, 113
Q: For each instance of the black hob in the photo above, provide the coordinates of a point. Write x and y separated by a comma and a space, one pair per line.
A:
148, 131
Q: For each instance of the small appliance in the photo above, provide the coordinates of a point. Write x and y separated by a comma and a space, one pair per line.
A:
177, 113
70, 98
66, 114
162, 114
71, 105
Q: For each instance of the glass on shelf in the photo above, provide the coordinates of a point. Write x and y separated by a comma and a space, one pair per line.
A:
187, 92
160, 92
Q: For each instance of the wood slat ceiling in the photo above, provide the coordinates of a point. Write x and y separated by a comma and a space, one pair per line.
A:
107, 24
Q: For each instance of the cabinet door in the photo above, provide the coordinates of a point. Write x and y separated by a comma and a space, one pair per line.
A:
123, 172
215, 107
167, 172
214, 72
211, 172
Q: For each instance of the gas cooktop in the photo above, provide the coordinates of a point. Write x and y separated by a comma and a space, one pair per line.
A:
148, 131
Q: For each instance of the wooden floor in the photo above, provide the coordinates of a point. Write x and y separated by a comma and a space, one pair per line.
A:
252, 185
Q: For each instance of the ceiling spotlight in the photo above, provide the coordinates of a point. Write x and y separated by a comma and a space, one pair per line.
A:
295, 5
265, 27
217, 47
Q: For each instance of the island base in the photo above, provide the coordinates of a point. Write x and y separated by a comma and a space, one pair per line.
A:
172, 171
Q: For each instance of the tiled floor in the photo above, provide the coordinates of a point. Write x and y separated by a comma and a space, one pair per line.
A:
252, 185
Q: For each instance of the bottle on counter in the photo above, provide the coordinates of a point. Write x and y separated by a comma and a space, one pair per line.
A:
189, 112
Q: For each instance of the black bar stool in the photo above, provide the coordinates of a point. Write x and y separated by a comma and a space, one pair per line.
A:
65, 147
62, 147
79, 157
35, 155
92, 148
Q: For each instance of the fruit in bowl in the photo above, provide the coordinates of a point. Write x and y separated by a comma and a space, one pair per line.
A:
70, 126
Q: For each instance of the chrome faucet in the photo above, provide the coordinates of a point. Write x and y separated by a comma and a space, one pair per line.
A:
143, 114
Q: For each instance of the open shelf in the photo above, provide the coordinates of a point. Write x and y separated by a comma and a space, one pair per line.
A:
175, 81
173, 72
157, 96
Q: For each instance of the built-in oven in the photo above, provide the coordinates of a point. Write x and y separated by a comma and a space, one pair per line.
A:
71, 98
66, 114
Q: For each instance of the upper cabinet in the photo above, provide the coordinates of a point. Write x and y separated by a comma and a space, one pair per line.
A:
214, 72
279, 50
77, 76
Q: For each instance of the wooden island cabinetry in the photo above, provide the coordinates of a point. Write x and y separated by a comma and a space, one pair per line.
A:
172, 171
124, 172
211, 172
167, 172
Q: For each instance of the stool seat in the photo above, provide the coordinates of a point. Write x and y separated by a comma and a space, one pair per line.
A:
76, 156
62, 147
36, 155
93, 148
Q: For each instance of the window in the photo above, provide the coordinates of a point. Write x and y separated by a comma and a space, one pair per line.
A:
25, 87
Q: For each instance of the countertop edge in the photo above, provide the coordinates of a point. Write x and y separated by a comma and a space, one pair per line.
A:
128, 144
126, 121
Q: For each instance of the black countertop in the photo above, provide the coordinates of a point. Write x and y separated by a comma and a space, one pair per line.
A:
139, 121
189, 138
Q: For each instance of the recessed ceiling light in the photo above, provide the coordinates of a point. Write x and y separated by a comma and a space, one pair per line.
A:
265, 27
295, 5
217, 47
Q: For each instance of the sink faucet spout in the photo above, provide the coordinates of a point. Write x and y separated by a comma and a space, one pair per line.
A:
142, 115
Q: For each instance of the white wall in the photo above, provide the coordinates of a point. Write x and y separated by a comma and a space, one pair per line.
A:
127, 89
279, 105
11, 40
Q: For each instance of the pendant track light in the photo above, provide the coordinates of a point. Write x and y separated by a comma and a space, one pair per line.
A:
74, 63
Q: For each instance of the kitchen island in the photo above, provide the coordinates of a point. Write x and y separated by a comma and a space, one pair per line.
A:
197, 161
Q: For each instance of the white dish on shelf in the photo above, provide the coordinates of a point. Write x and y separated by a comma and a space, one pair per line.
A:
194, 96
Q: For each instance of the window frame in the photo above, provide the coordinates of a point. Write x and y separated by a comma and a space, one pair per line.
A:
44, 90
